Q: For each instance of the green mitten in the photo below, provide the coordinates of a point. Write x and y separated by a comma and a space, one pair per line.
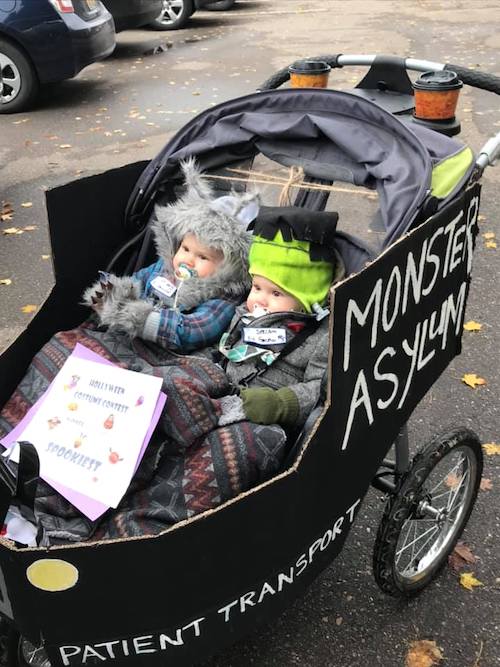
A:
263, 405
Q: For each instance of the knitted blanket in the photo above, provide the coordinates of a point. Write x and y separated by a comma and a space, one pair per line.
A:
190, 465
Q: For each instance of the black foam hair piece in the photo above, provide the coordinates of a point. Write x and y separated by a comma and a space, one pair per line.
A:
301, 224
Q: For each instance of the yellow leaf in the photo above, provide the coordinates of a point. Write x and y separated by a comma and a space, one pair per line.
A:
29, 228
65, 146
29, 308
489, 235
5, 217
27, 204
471, 325
12, 230
490, 244
473, 380
5, 281
481, 218
45, 256
468, 581
423, 653
491, 448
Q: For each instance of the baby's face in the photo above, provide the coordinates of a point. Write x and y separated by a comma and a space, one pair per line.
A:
200, 259
267, 296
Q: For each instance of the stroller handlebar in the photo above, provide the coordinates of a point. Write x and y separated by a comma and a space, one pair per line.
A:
488, 154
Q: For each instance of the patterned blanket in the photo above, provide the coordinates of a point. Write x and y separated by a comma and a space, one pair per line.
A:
190, 465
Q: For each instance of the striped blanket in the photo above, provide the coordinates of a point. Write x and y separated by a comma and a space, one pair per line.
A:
190, 465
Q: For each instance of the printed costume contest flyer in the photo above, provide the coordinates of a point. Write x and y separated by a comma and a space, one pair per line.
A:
90, 429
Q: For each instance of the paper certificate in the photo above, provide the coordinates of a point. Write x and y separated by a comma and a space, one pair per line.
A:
91, 427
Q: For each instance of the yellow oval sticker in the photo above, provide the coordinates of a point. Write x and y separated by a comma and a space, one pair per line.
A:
52, 574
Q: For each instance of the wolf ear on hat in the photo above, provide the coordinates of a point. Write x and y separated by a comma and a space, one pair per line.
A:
244, 208
196, 185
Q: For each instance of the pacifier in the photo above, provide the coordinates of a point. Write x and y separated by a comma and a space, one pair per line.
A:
259, 311
184, 272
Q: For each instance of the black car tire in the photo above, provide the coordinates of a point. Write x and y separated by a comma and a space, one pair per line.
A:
15, 63
167, 22
221, 6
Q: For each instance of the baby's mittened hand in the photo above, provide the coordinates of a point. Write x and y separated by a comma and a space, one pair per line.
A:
95, 295
263, 405
108, 297
131, 317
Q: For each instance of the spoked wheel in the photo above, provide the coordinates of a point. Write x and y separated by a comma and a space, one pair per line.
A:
174, 15
28, 654
424, 519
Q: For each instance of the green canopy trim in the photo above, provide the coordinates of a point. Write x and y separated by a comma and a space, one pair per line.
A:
448, 174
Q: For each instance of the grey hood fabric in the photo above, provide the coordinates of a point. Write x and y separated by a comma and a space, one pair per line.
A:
333, 135
214, 223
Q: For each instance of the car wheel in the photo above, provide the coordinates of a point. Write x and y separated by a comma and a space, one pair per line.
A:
221, 5
174, 15
18, 81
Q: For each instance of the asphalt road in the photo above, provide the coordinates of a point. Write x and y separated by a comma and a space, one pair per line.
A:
124, 109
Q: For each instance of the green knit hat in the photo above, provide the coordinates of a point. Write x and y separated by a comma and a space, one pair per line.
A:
287, 261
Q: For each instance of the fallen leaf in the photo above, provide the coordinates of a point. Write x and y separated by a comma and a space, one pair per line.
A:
29, 228
491, 448
423, 653
486, 484
452, 481
27, 204
471, 325
468, 581
481, 218
6, 217
491, 244
29, 308
65, 146
5, 281
473, 380
464, 552
12, 230
45, 256
489, 235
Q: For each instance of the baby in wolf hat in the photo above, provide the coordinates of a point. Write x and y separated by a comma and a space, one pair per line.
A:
185, 300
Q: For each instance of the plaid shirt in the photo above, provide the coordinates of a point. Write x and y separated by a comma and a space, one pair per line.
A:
184, 332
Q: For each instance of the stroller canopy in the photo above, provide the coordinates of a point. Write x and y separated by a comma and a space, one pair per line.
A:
333, 135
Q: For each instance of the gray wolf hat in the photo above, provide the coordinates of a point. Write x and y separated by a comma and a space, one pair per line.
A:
218, 222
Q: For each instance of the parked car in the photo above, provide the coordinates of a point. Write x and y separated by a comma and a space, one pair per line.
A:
133, 13
176, 13
44, 41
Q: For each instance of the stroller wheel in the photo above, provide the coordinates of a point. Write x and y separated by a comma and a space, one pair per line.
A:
29, 654
424, 519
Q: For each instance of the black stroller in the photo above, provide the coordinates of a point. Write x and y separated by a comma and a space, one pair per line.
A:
396, 323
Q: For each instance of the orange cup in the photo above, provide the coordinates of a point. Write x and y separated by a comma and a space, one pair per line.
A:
309, 74
436, 95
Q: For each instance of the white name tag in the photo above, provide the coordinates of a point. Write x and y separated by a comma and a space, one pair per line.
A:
264, 335
163, 286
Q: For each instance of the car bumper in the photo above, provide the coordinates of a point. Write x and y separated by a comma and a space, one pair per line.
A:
136, 13
82, 42
204, 3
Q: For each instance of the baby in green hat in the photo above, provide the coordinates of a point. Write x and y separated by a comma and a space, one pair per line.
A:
276, 350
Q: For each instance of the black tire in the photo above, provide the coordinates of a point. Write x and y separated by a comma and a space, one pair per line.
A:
441, 512
20, 82
175, 14
30, 656
221, 6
